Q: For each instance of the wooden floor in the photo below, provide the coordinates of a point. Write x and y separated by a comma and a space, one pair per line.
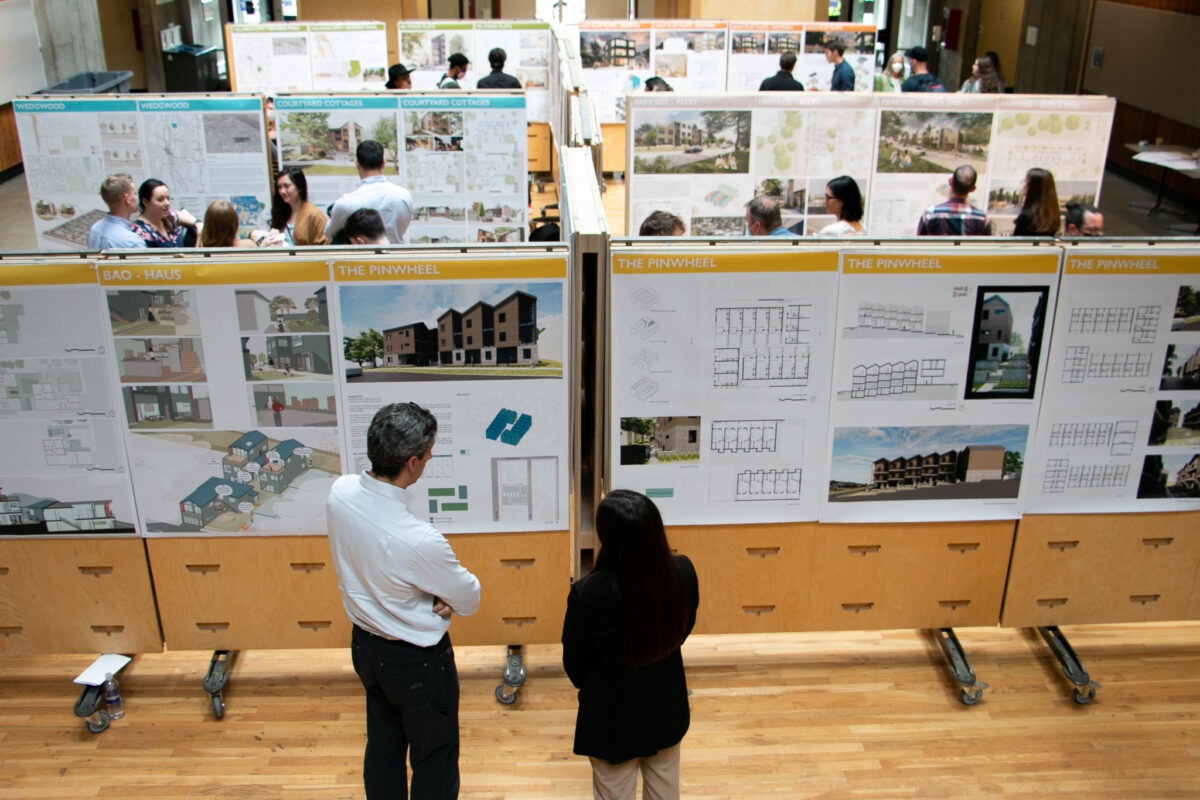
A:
861, 715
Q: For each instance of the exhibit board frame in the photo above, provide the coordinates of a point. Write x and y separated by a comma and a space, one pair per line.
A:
273, 57
70, 144
728, 149
528, 60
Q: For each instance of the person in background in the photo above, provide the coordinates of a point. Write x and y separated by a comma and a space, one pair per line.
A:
115, 230
624, 626
783, 81
365, 226
394, 203
983, 78
657, 84
498, 78
295, 222
157, 224
844, 200
956, 216
1083, 220
400, 582
457, 69
399, 77
843, 73
220, 227
920, 80
994, 57
661, 223
764, 217
1039, 205
893, 74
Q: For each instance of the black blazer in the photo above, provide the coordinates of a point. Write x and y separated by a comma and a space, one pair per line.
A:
781, 82
623, 713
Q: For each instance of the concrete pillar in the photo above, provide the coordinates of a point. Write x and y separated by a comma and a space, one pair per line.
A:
69, 31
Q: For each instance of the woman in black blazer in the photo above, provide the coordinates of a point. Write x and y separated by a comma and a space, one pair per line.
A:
625, 623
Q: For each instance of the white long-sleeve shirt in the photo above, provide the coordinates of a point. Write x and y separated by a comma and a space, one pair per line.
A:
394, 204
391, 565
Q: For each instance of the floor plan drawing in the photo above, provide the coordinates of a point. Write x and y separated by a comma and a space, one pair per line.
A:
768, 484
1141, 322
745, 436
525, 489
33, 386
1119, 437
1081, 365
762, 343
1062, 475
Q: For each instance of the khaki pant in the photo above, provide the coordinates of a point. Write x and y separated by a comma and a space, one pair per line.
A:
660, 777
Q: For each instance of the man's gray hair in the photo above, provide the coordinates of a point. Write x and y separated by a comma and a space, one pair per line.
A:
398, 432
765, 210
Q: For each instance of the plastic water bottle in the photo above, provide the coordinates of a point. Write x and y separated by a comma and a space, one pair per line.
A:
112, 697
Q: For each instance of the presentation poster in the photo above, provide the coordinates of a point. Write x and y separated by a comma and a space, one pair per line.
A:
202, 148
937, 379
618, 57
425, 47
482, 344
755, 49
703, 161
462, 156
63, 467
1120, 423
720, 365
228, 398
307, 57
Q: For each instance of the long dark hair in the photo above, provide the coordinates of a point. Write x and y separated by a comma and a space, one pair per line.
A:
1041, 201
281, 212
845, 189
633, 547
146, 191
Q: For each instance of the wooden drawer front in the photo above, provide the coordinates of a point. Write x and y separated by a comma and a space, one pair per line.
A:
76, 596
612, 154
524, 579
229, 593
751, 578
538, 146
1076, 569
960, 580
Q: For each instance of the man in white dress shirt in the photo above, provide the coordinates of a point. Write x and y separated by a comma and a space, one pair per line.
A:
394, 203
400, 582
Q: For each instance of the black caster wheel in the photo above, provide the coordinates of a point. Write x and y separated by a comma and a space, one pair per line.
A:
101, 725
971, 698
218, 706
506, 699
1085, 695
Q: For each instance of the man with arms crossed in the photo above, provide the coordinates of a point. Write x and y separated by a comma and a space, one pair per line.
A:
400, 582
394, 203
115, 230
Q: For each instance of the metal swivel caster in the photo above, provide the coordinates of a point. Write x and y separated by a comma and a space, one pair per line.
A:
514, 676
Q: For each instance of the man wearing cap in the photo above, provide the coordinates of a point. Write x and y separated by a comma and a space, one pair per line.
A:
498, 79
398, 77
921, 80
458, 68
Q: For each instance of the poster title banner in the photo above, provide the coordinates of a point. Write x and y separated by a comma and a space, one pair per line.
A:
932, 264
47, 274
1131, 264
159, 273
433, 268
675, 262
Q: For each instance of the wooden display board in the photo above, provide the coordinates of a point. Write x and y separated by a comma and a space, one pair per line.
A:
277, 57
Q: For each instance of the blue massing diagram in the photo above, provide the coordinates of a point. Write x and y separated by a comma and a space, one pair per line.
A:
508, 427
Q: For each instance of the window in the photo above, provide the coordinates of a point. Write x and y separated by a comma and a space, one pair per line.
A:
503, 315
442, 327
503, 336
470, 340
526, 353
469, 322
985, 313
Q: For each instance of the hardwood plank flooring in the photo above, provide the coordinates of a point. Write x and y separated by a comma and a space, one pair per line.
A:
831, 715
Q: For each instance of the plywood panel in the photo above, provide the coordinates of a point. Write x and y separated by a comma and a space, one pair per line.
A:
1096, 568
76, 596
612, 156
10, 145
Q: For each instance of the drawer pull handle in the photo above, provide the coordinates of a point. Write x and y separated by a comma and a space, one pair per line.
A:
213, 627
108, 630
1144, 599
1051, 602
1063, 546
857, 607
203, 569
517, 564
10, 630
95, 572
762, 552
3, 571
1158, 541
953, 605
758, 611
315, 624
518, 622
864, 549
307, 567
962, 547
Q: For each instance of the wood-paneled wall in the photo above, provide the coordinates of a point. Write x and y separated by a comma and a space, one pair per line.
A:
1135, 125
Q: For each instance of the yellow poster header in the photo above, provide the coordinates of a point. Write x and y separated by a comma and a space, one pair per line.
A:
938, 263
47, 274
644, 263
432, 268
159, 273
1131, 264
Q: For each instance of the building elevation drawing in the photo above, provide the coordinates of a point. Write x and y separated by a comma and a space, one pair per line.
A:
483, 335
